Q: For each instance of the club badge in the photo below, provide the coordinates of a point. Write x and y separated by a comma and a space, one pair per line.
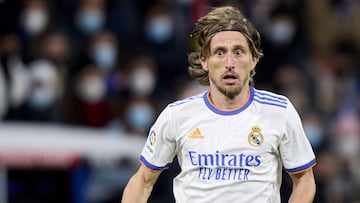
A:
255, 138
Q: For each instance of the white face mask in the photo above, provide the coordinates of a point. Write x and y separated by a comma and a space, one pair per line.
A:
346, 140
44, 94
142, 81
34, 21
348, 146
281, 31
91, 89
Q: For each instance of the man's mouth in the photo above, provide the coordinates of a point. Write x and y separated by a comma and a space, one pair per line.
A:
230, 78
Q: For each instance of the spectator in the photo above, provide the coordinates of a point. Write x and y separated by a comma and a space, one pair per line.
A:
14, 78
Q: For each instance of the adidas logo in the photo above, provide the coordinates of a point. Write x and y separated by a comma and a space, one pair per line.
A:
196, 134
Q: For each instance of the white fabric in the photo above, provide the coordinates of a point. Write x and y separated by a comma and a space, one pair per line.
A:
229, 156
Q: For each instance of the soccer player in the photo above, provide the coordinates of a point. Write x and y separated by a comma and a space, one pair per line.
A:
233, 141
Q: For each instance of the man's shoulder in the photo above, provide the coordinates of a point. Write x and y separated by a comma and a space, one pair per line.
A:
187, 101
270, 98
269, 92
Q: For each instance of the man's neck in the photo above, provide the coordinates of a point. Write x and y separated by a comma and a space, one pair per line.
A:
223, 102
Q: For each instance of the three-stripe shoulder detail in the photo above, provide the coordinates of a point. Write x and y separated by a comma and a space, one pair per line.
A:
268, 98
189, 99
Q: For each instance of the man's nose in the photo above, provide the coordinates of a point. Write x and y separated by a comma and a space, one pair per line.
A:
229, 62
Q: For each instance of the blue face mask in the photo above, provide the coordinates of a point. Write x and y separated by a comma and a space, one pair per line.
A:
140, 116
104, 56
41, 98
90, 22
314, 135
159, 30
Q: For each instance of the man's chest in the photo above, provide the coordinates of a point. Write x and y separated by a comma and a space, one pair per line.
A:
224, 139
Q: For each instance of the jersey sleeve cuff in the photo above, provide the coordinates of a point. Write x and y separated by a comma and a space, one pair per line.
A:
153, 167
302, 168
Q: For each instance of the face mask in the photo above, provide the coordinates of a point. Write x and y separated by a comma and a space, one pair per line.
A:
140, 116
281, 32
34, 21
44, 72
90, 22
347, 133
104, 55
314, 134
348, 146
91, 89
41, 98
142, 81
159, 29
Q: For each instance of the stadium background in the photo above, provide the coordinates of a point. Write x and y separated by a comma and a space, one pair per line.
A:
81, 81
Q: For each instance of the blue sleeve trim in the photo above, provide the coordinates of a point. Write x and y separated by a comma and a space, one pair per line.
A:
153, 167
303, 167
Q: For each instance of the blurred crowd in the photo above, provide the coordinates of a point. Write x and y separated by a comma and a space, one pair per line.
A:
114, 65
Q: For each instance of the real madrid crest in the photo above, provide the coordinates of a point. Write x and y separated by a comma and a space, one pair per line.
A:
255, 137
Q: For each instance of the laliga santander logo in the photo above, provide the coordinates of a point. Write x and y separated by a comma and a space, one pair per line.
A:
152, 138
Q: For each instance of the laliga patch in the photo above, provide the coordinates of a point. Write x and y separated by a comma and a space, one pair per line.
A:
151, 141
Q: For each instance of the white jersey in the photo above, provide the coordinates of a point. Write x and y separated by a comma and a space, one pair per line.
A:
229, 156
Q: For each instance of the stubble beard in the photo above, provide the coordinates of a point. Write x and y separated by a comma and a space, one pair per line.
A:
230, 91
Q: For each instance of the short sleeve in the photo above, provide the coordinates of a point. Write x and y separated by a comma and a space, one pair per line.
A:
159, 150
296, 152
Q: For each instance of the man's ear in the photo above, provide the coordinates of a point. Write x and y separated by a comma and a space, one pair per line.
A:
203, 63
255, 60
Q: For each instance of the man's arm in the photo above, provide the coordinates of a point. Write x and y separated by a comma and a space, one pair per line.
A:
140, 185
303, 187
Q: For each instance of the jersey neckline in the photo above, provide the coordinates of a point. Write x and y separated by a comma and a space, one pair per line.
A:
230, 112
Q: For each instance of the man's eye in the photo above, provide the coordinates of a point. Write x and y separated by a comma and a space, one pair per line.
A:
239, 52
219, 52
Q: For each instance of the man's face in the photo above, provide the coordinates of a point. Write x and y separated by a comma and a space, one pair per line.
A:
229, 63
